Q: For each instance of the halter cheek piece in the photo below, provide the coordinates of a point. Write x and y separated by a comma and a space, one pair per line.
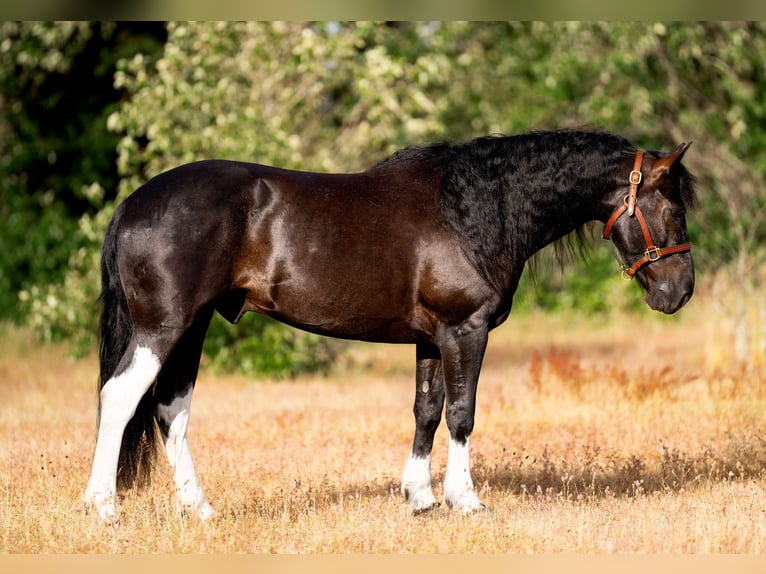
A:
630, 206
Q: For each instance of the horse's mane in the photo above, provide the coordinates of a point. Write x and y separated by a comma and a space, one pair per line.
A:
416, 154
495, 185
492, 186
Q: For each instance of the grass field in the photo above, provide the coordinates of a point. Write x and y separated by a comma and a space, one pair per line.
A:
633, 434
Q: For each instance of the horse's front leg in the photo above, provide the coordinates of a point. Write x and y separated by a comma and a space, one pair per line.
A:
462, 348
429, 401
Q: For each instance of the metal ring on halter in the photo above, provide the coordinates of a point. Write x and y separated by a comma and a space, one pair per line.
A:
624, 267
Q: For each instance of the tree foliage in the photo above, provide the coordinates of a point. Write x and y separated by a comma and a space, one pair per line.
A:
56, 154
339, 96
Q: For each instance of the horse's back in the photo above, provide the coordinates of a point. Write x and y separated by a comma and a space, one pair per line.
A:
207, 184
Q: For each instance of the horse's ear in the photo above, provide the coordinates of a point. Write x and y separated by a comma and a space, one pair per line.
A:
662, 166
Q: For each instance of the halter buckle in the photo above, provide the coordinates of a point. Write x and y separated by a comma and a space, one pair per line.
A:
653, 254
635, 177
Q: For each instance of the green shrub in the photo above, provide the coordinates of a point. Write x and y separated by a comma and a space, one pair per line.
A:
259, 345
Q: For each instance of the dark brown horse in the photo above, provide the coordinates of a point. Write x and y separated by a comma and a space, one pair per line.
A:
425, 248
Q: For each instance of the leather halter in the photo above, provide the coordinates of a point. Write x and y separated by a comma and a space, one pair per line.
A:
630, 206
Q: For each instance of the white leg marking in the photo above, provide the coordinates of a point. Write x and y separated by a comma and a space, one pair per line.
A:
119, 398
416, 483
458, 485
189, 492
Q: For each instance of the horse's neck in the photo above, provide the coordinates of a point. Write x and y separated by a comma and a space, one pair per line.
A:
548, 221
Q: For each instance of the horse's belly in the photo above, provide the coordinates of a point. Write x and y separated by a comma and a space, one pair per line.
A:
361, 329
365, 310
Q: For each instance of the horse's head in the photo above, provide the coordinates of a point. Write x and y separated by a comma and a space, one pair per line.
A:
648, 228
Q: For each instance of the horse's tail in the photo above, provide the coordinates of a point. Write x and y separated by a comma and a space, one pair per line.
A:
138, 449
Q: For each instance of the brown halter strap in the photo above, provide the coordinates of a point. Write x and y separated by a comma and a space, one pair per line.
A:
630, 205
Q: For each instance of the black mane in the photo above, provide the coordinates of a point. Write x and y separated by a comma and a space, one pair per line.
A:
417, 154
486, 195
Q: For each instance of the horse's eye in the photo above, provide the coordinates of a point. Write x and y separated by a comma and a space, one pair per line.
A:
677, 212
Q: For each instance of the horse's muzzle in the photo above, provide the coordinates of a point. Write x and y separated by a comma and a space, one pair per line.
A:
669, 298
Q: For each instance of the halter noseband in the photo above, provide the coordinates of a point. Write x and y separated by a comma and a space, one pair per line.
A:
630, 206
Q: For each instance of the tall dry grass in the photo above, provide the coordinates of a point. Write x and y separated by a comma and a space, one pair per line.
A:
626, 435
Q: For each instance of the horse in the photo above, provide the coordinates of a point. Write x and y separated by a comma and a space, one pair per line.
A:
427, 248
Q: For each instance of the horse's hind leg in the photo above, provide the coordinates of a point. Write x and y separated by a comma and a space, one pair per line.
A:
429, 401
174, 388
119, 399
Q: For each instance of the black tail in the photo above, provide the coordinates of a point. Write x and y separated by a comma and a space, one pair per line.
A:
139, 442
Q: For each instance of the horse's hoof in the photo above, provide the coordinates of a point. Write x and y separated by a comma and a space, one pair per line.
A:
481, 509
467, 503
426, 509
102, 506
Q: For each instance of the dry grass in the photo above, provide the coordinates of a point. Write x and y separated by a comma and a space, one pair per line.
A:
586, 441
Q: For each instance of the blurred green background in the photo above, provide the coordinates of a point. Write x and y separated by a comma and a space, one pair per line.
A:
90, 110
